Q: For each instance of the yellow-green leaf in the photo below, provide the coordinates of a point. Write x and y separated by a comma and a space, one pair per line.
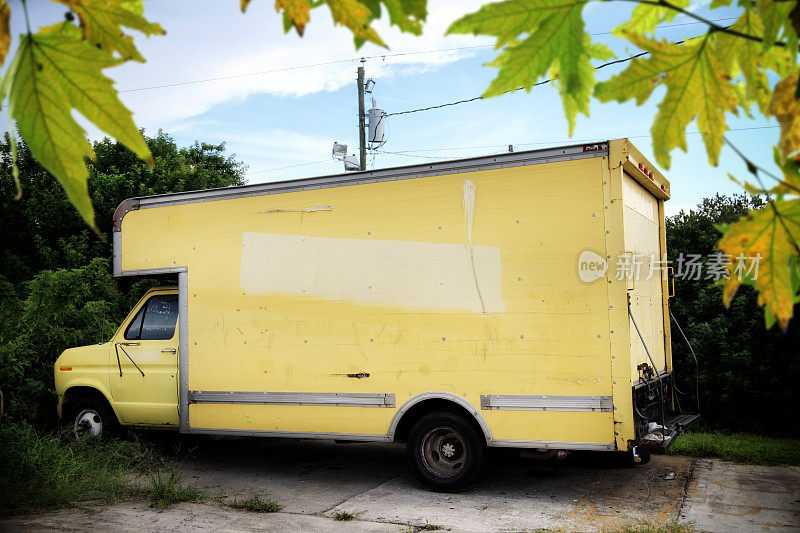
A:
243, 5
408, 15
749, 58
772, 233
5, 34
697, 88
645, 18
356, 17
54, 72
791, 174
297, 11
785, 107
776, 18
102, 22
540, 37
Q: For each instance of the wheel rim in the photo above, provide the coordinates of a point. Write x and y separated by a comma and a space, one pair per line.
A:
88, 422
444, 452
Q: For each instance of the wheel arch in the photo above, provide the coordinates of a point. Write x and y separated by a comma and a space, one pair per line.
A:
422, 404
75, 392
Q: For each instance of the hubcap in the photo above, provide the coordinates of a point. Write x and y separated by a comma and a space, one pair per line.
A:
88, 422
444, 452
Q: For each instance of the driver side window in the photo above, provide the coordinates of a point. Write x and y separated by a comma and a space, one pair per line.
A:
156, 319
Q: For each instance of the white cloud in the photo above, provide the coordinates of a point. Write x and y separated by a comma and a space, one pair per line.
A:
252, 43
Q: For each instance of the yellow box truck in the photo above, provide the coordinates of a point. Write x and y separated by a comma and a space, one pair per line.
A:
454, 306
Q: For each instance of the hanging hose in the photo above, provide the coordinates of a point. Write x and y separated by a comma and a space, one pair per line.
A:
655, 368
696, 364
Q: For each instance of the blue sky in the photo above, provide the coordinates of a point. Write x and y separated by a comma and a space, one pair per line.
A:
282, 124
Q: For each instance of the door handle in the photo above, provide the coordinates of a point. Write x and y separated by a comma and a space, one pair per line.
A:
168, 350
128, 343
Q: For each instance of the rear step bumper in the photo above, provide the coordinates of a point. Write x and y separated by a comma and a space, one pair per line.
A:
661, 438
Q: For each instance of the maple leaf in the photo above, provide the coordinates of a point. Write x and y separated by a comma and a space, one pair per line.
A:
357, 18
102, 22
785, 107
791, 174
776, 18
773, 233
645, 18
54, 72
5, 33
697, 87
408, 15
749, 58
540, 37
296, 12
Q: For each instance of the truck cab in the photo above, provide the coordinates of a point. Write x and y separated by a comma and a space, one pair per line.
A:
130, 380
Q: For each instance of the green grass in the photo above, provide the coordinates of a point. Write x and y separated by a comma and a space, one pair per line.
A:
431, 527
740, 447
167, 490
343, 516
256, 505
54, 470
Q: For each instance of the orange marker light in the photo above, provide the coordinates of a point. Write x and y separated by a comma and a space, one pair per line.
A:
65, 368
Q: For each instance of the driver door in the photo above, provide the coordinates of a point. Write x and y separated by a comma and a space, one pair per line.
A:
144, 365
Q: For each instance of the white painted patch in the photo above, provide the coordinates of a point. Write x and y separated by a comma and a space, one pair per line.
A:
407, 274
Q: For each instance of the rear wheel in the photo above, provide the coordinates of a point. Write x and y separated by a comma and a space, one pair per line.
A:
91, 417
445, 452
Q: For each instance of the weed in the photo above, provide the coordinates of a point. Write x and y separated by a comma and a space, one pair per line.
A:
257, 505
165, 491
343, 516
42, 471
431, 527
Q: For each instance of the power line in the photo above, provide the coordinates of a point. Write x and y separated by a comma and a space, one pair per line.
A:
339, 61
543, 82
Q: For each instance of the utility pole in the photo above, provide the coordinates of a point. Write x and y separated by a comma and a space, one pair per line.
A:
362, 141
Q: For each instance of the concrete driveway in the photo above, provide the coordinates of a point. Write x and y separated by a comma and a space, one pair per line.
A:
315, 479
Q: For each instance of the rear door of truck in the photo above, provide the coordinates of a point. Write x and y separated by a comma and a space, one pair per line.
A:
642, 225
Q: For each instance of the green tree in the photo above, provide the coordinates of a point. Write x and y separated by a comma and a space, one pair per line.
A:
56, 287
747, 374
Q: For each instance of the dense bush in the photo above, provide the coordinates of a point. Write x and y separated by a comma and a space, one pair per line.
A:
56, 287
748, 374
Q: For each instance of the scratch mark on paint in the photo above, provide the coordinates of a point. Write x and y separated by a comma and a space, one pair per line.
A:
469, 221
303, 210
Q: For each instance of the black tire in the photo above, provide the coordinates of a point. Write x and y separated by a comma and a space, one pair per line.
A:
446, 453
91, 416
644, 455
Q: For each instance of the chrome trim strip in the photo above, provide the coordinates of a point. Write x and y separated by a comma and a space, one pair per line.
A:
519, 402
513, 159
441, 395
340, 399
183, 351
151, 271
553, 445
289, 434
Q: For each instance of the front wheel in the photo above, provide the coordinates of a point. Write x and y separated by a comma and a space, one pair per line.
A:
445, 452
91, 417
